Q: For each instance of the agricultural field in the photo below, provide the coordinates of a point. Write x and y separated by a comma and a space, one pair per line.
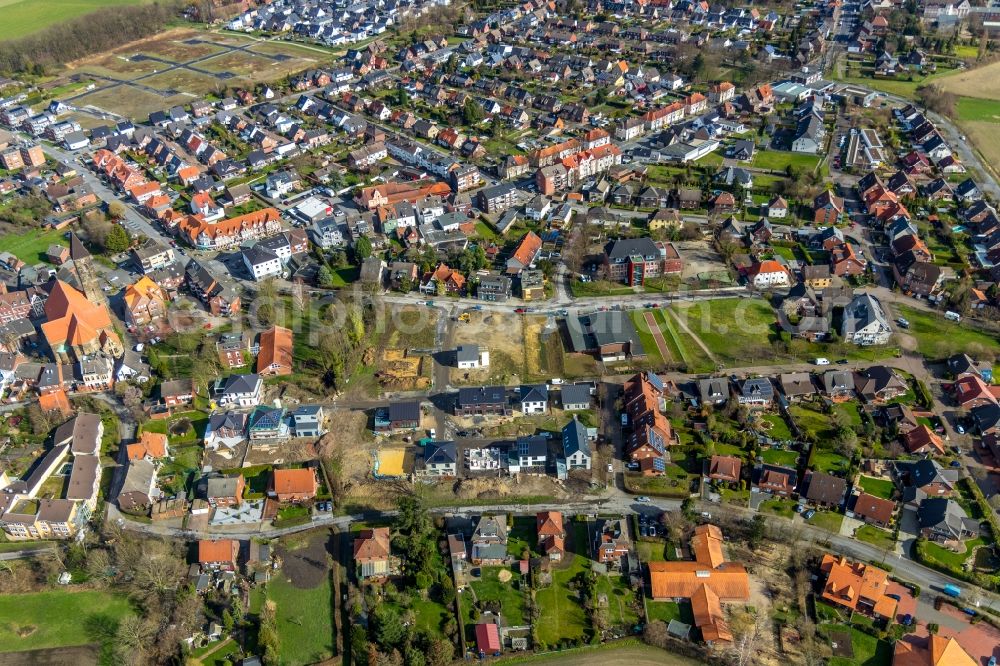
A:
24, 17
981, 82
976, 109
57, 618
171, 67
613, 655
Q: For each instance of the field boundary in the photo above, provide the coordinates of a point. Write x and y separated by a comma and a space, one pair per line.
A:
654, 330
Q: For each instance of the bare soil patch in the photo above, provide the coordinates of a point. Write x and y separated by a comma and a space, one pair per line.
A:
699, 258
82, 655
503, 335
305, 562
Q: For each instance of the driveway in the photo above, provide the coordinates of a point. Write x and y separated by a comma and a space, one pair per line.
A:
848, 526
907, 604
909, 526
756, 499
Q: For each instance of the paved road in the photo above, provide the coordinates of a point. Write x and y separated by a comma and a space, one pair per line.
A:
794, 530
31, 551
141, 224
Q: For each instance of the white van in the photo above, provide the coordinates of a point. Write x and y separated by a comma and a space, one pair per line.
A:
952, 316
821, 361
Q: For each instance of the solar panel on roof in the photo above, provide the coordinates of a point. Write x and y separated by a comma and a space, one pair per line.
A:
659, 464
656, 381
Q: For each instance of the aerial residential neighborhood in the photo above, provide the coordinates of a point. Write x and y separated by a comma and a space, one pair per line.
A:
417, 333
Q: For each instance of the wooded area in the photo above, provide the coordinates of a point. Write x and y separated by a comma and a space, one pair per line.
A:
99, 31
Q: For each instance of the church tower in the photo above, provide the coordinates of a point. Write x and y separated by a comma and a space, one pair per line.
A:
83, 266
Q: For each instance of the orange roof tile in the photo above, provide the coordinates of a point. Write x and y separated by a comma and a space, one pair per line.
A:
549, 523
143, 289
294, 481
848, 582
56, 400
275, 356
152, 444
72, 319
223, 550
527, 248
706, 582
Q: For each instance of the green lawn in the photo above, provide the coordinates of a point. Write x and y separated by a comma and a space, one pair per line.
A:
827, 520
653, 356
736, 330
561, 612
669, 610
682, 346
878, 487
345, 276
779, 507
780, 457
937, 337
868, 650
599, 288
522, 536
652, 551
619, 595
23, 17
779, 429
30, 246
743, 332
875, 536
305, 620
57, 618
489, 587
430, 615
776, 160
951, 558
828, 461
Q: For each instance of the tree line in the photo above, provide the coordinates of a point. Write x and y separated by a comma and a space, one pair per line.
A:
92, 33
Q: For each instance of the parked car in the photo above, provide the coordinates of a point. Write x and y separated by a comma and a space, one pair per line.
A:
642, 498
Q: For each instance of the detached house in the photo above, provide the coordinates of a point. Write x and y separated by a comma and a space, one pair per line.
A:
293, 485
551, 534
489, 540
371, 553
776, 480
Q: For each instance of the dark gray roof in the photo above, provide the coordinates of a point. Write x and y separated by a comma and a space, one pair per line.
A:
441, 453
574, 438
534, 393
628, 247
235, 384
258, 255
404, 411
482, 395
575, 394
532, 445
588, 332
